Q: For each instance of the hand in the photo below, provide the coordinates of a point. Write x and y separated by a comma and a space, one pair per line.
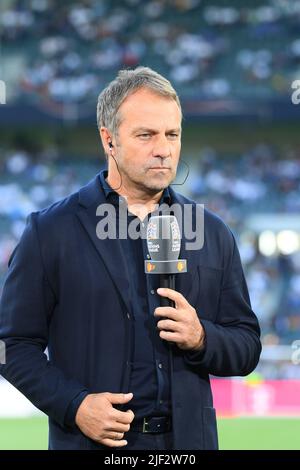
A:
98, 419
181, 324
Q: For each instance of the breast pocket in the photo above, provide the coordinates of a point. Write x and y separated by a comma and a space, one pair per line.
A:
207, 304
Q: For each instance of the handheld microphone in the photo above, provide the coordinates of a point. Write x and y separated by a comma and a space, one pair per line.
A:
164, 243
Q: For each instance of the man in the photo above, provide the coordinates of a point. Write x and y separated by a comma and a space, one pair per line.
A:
112, 380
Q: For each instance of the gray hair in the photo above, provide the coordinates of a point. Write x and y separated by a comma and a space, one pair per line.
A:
126, 83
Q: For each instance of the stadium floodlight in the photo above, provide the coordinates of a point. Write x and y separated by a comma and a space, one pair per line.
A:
288, 242
2, 92
267, 243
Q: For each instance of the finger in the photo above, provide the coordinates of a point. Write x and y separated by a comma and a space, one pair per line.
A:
172, 294
170, 336
168, 325
124, 417
168, 312
119, 398
114, 435
113, 443
118, 427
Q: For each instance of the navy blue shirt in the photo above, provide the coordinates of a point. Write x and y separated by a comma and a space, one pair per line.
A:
149, 379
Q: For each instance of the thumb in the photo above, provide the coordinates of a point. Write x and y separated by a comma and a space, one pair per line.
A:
119, 398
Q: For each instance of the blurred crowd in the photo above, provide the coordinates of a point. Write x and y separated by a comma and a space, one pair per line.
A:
234, 187
65, 52
260, 181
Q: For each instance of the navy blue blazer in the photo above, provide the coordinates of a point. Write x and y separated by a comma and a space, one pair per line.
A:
68, 291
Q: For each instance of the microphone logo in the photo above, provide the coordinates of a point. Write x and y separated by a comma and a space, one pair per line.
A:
164, 243
150, 267
152, 230
180, 266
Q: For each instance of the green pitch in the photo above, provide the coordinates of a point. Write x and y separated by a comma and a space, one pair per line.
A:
241, 433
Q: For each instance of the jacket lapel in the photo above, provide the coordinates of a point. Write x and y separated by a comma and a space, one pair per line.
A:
90, 197
184, 281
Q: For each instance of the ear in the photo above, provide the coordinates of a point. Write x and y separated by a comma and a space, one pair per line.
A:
106, 137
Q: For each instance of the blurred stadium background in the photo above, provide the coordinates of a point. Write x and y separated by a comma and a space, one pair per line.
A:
233, 63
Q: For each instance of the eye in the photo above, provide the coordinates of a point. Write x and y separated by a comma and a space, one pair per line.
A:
144, 135
173, 135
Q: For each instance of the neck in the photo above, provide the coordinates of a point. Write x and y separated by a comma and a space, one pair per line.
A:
139, 201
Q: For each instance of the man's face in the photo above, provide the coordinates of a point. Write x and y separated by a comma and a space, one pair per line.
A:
148, 141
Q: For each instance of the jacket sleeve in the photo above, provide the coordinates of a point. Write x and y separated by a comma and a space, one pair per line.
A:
26, 307
233, 341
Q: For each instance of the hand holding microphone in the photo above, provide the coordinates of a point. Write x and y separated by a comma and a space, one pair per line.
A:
180, 323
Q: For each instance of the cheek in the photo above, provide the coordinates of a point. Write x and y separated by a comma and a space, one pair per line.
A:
137, 156
135, 162
176, 149
176, 156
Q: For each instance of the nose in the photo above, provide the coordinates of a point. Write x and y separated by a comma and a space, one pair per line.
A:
161, 147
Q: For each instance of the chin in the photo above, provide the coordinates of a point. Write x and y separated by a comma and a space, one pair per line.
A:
157, 185
153, 188
160, 180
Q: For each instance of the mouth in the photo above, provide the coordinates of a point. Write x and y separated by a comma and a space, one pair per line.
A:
159, 168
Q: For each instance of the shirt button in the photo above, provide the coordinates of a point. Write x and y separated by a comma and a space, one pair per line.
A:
128, 315
148, 256
160, 365
161, 402
152, 291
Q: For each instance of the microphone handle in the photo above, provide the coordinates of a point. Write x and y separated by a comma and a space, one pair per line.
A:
167, 281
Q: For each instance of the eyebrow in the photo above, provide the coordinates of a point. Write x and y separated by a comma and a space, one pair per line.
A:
153, 131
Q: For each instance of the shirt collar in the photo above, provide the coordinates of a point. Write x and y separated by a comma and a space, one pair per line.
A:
110, 193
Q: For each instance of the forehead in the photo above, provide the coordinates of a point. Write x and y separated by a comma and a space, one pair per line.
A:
146, 108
